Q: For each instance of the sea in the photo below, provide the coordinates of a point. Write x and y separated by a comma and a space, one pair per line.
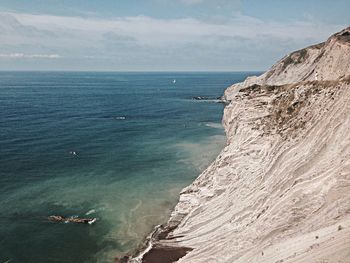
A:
114, 146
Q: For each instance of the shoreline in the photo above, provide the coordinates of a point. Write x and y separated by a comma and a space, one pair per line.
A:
149, 251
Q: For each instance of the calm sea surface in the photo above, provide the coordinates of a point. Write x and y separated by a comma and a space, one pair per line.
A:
139, 139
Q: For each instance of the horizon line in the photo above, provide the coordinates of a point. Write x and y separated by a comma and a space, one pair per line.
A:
139, 71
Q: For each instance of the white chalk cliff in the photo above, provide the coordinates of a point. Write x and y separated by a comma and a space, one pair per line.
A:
280, 190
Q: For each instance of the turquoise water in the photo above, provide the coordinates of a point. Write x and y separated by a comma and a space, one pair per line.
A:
139, 139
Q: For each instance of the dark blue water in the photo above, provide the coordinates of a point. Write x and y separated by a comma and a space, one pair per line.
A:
139, 139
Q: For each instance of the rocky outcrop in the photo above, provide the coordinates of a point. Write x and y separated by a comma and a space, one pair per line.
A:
325, 61
280, 190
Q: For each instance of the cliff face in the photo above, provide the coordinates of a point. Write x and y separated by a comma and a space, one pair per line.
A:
280, 190
325, 61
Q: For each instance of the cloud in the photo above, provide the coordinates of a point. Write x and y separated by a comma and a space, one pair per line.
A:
192, 2
209, 3
22, 55
11, 25
141, 42
143, 28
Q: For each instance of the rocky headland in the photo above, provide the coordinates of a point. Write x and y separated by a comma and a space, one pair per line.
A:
280, 190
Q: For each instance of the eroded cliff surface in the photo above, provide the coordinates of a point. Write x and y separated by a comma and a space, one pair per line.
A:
280, 190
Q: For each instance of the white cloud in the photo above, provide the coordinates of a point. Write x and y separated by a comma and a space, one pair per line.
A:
240, 42
145, 28
22, 55
192, 2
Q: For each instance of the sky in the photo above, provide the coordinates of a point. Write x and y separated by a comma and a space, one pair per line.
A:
161, 35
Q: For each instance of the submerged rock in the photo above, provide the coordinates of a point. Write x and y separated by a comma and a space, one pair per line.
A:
218, 99
55, 218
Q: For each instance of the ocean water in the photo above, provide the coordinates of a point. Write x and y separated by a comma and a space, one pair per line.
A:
139, 140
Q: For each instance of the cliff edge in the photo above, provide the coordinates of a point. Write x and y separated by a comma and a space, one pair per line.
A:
280, 190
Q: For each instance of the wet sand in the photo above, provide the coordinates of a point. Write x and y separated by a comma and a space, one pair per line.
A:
163, 254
